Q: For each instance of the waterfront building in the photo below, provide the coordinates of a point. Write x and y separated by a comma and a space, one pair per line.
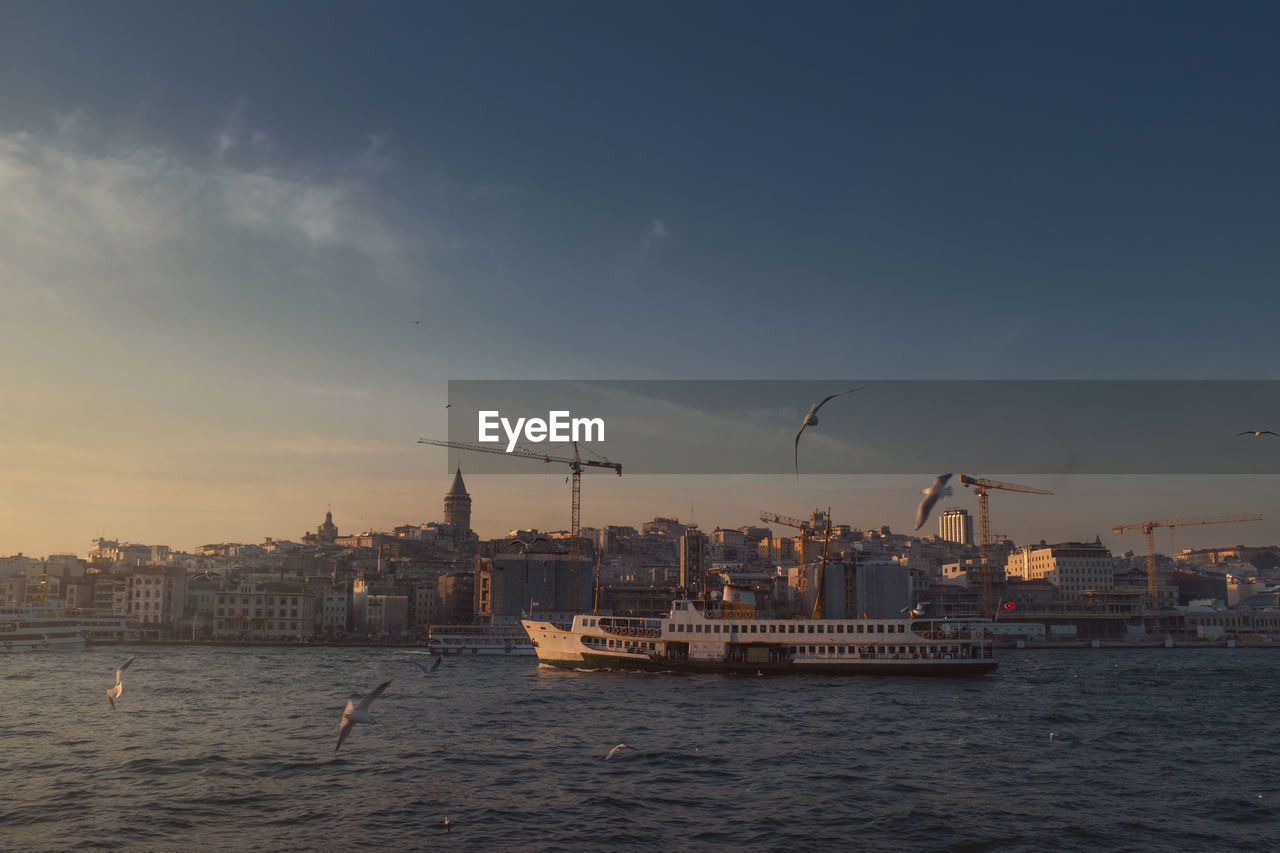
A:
956, 525
456, 598
1073, 567
261, 611
335, 609
506, 584
13, 590
156, 595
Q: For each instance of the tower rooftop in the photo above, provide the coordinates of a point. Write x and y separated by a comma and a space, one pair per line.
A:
458, 487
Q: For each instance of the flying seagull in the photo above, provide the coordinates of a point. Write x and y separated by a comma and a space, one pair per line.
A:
353, 714
932, 495
618, 749
420, 665
1257, 432
811, 419
114, 693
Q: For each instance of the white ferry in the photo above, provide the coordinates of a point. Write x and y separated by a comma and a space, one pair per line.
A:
478, 640
40, 627
713, 637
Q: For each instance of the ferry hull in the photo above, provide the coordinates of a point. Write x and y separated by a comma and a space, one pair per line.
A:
916, 668
22, 644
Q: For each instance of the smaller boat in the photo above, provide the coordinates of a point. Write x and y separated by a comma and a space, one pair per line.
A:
23, 628
479, 640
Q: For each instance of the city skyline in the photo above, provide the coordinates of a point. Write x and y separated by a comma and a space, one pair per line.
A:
238, 271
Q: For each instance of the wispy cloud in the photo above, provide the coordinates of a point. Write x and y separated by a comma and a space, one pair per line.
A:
72, 217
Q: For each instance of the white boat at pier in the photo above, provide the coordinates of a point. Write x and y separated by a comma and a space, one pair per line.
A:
41, 627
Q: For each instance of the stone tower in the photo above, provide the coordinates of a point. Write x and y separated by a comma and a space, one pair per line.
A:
457, 508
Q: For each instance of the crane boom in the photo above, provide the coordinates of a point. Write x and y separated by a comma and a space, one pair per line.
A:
525, 454
575, 499
1148, 527
1006, 487
980, 488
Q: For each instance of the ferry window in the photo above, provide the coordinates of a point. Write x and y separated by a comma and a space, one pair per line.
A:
671, 626
810, 629
717, 628
879, 629
840, 629
753, 629
822, 629
791, 629
859, 629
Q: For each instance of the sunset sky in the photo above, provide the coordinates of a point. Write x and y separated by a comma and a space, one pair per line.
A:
244, 247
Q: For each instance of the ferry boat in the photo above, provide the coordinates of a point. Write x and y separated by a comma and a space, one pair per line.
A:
697, 636
40, 627
478, 640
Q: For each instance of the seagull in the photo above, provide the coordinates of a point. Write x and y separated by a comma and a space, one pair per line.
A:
618, 749
811, 419
114, 693
932, 495
424, 668
1257, 432
353, 714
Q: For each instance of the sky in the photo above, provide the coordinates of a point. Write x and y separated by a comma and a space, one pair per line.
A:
245, 247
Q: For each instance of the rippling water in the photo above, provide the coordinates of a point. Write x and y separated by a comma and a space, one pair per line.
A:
233, 748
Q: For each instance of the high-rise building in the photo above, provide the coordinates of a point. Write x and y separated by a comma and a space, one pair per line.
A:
457, 508
956, 525
694, 560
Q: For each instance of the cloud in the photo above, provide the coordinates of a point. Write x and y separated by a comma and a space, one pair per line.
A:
70, 216
658, 231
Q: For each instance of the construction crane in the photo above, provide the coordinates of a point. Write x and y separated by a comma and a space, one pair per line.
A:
806, 532
822, 571
980, 488
575, 466
1148, 527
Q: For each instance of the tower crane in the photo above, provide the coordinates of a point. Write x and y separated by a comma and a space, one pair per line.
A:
806, 533
1148, 527
980, 488
575, 466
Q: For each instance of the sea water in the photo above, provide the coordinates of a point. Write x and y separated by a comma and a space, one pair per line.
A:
233, 748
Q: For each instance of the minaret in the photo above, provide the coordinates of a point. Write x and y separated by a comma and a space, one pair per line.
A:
457, 508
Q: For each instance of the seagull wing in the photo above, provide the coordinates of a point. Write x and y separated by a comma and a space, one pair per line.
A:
1268, 432
420, 666
124, 666
1247, 432
616, 750
368, 698
802, 426
344, 728
113, 694
837, 394
435, 665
